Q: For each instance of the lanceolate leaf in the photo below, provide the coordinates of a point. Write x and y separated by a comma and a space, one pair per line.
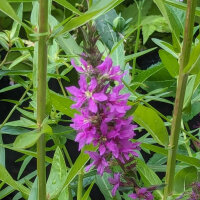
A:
26, 140
91, 14
57, 175
5, 177
2, 152
181, 6
170, 62
62, 104
149, 119
143, 75
186, 159
87, 193
34, 190
69, 6
16, 26
6, 8
105, 187
148, 176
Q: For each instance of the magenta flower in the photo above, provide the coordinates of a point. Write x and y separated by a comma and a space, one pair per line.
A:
87, 93
85, 68
118, 102
109, 71
85, 137
142, 194
99, 161
115, 182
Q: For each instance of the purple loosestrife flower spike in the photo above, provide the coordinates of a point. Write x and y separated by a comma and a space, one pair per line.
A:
102, 118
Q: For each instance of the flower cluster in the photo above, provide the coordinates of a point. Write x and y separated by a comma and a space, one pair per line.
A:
102, 119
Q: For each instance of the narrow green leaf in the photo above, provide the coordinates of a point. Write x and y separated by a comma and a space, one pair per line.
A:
6, 8
170, 20
2, 152
15, 72
69, 6
186, 159
194, 61
184, 178
26, 140
8, 190
136, 55
91, 14
69, 46
11, 87
19, 60
149, 119
23, 122
143, 75
26, 152
23, 166
16, 26
181, 6
166, 46
170, 62
87, 193
105, 187
5, 177
34, 190
12, 130
62, 104
27, 114
57, 175
4, 43
148, 176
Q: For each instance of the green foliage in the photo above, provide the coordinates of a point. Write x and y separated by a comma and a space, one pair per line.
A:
149, 119
57, 175
162, 26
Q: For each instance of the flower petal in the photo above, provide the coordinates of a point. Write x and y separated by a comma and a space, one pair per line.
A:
73, 90
92, 106
100, 96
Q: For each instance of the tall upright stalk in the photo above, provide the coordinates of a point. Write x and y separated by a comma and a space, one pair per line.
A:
41, 95
180, 93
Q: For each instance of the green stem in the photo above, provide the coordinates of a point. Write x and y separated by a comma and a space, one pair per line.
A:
41, 96
137, 36
4, 60
180, 93
67, 156
70, 197
80, 185
60, 83
14, 108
